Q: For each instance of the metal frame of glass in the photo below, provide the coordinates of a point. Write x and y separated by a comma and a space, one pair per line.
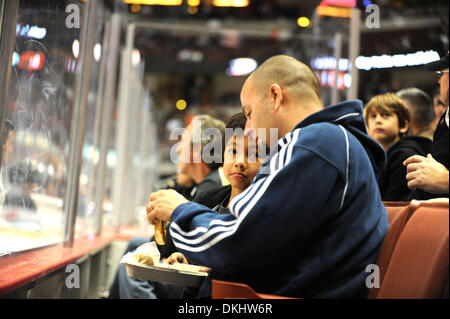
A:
10, 10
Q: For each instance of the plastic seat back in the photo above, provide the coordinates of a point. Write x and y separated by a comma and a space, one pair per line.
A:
419, 265
398, 216
234, 290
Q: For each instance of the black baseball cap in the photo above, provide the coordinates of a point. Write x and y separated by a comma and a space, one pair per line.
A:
438, 65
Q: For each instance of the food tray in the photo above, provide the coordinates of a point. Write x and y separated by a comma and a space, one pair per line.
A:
183, 275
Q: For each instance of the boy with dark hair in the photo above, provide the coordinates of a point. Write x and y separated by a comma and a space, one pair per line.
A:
234, 129
241, 164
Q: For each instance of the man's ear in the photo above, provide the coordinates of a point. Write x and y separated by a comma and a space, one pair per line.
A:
275, 96
405, 128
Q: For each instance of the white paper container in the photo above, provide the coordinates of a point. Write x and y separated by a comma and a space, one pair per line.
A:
185, 275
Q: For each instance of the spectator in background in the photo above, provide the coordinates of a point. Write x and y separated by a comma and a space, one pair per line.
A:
7, 149
182, 183
23, 180
191, 148
191, 166
428, 176
439, 107
7, 142
387, 119
422, 112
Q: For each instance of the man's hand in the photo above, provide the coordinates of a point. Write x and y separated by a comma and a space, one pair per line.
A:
427, 174
162, 204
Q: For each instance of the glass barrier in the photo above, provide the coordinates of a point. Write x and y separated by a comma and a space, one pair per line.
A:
34, 170
136, 154
139, 91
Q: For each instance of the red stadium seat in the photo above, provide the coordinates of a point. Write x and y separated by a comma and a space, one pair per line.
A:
398, 214
394, 208
419, 265
233, 290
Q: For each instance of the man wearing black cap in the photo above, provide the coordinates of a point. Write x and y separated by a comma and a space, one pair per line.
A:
429, 176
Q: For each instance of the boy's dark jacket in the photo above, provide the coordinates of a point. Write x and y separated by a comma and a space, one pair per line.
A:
392, 181
311, 221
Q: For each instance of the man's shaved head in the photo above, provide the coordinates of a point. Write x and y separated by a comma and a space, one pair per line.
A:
279, 94
292, 75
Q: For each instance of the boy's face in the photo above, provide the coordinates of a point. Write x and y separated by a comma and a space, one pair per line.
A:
383, 126
241, 163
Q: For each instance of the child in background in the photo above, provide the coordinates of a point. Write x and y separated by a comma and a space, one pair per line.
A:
387, 120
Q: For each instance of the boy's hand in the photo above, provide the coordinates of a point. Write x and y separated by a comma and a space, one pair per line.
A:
204, 269
427, 174
177, 258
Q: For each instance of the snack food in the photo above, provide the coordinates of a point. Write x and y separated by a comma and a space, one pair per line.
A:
160, 232
147, 254
144, 259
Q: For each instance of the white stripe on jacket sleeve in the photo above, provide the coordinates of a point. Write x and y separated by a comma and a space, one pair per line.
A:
347, 165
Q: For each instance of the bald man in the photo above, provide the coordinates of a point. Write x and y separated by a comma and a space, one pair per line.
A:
312, 220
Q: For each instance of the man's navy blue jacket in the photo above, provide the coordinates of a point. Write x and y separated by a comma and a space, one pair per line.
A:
311, 221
